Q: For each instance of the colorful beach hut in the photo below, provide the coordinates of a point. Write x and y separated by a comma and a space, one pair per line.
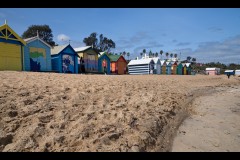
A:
157, 66
189, 68
180, 68
212, 71
11, 49
37, 55
90, 57
163, 67
104, 63
174, 68
168, 68
64, 59
118, 64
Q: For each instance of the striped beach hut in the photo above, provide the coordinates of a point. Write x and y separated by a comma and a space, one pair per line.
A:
90, 57
180, 68
104, 62
64, 59
157, 66
118, 64
37, 55
141, 66
11, 49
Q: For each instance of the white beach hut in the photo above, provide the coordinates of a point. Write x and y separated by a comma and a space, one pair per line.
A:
141, 66
237, 72
157, 66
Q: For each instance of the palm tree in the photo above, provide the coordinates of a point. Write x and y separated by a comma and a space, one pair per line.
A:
128, 54
156, 54
167, 54
175, 55
141, 54
150, 54
120, 53
171, 55
144, 51
124, 53
161, 52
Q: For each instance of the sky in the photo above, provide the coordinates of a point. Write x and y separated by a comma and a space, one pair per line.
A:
207, 34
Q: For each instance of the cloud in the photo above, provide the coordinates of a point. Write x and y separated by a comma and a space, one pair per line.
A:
183, 44
215, 29
174, 41
226, 51
62, 37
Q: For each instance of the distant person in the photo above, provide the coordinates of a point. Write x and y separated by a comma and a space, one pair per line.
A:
228, 74
83, 66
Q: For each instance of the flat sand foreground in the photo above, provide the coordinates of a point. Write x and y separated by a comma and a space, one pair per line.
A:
65, 112
213, 125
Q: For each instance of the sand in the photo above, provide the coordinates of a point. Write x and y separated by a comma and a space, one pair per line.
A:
65, 112
213, 125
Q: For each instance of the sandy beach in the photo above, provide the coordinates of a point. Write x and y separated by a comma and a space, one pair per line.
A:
66, 112
213, 126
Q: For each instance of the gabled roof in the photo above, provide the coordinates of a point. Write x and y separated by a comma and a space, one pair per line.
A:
162, 62
156, 60
57, 49
105, 53
188, 64
7, 36
114, 58
140, 61
29, 40
82, 49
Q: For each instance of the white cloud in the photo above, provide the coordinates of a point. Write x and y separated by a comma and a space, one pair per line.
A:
62, 37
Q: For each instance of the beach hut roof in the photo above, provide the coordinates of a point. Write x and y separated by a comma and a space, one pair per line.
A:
156, 60
140, 61
162, 62
8, 35
229, 71
114, 58
82, 49
210, 69
58, 49
188, 64
29, 40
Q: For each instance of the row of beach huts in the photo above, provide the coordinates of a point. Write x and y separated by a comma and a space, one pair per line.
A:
34, 54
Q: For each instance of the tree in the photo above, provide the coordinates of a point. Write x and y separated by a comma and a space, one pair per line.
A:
144, 51
150, 54
44, 32
188, 58
128, 54
124, 53
194, 60
161, 52
175, 55
101, 45
116, 54
141, 54
120, 53
156, 54
167, 54
171, 55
